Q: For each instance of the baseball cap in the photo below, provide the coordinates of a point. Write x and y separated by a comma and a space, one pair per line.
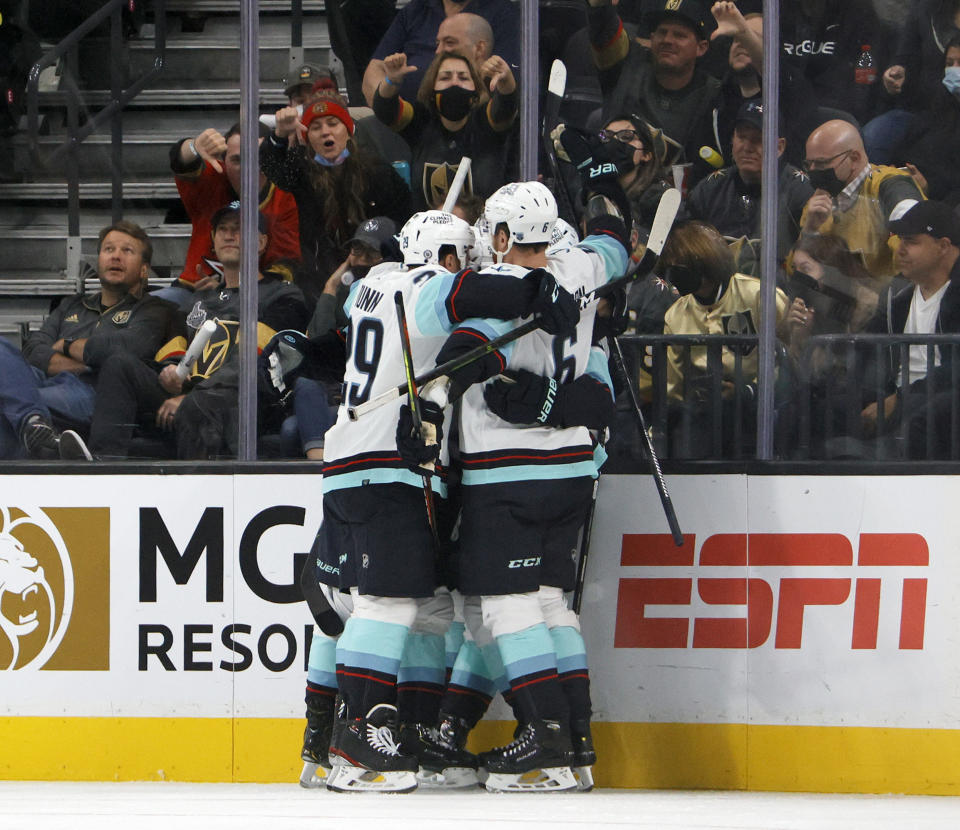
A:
307, 74
931, 217
374, 232
751, 112
232, 208
693, 12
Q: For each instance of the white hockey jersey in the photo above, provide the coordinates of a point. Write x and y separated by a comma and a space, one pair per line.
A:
365, 451
493, 450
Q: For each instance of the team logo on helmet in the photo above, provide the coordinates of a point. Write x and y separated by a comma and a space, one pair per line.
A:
36, 588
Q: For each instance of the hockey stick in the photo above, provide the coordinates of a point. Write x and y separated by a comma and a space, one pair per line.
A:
662, 223
414, 403
617, 353
585, 548
457, 184
197, 345
556, 86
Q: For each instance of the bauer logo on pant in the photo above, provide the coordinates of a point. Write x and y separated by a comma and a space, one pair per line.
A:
54, 588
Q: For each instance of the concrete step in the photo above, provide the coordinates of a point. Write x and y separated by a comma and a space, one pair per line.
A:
144, 154
45, 247
182, 95
56, 191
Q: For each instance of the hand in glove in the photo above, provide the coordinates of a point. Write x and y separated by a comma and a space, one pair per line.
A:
420, 450
284, 355
558, 311
522, 397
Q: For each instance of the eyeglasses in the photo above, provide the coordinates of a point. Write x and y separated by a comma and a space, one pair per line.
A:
626, 136
822, 164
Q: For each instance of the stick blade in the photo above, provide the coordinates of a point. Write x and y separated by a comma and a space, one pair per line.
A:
663, 221
557, 83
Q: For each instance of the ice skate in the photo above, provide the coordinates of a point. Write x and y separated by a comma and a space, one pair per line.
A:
316, 742
537, 760
366, 757
584, 755
444, 763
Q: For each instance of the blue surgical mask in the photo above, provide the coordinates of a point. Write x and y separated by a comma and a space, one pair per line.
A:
951, 80
328, 163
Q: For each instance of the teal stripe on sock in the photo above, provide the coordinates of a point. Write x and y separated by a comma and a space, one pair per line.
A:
471, 670
452, 641
424, 659
322, 663
495, 669
527, 652
372, 644
570, 649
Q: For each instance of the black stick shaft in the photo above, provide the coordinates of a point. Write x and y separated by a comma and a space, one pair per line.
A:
585, 550
665, 499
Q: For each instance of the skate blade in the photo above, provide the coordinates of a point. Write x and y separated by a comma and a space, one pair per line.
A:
448, 779
548, 779
313, 775
344, 778
584, 776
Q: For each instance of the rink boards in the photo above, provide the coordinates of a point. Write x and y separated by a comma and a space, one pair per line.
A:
803, 638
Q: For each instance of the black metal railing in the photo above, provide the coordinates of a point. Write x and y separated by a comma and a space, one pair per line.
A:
121, 93
703, 406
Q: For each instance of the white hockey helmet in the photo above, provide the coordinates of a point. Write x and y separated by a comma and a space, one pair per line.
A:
564, 236
426, 232
528, 209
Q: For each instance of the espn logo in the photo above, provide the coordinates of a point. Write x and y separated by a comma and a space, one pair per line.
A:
771, 589
54, 588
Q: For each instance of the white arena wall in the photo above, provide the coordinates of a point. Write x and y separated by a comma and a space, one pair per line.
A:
804, 638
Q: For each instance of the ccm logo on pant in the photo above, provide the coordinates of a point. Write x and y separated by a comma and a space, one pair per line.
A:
529, 562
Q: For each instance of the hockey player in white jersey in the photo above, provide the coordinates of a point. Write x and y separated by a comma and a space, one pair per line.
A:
376, 541
526, 486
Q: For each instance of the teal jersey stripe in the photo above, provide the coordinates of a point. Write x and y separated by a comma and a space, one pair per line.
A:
613, 254
431, 311
530, 472
381, 475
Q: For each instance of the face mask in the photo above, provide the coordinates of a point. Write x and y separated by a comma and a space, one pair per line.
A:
454, 102
826, 180
621, 154
683, 279
951, 80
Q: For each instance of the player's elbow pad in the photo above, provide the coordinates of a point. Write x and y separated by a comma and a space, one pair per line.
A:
490, 295
586, 402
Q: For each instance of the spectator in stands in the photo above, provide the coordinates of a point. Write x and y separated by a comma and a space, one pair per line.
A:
714, 299
416, 31
302, 83
912, 81
662, 84
336, 186
642, 157
730, 198
742, 82
929, 259
831, 293
453, 116
207, 170
823, 41
57, 375
855, 199
201, 410
930, 147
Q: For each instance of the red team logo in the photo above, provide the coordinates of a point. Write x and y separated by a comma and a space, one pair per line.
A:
775, 595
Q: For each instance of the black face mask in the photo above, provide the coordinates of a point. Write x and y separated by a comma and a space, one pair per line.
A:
621, 154
455, 102
684, 279
826, 180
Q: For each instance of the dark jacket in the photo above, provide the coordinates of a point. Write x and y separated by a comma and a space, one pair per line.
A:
139, 326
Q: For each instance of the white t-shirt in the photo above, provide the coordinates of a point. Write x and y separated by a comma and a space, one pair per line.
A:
922, 319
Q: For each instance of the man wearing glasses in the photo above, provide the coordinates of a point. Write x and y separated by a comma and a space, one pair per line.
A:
854, 199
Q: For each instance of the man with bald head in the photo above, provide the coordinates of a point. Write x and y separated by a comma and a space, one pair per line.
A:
854, 199
424, 27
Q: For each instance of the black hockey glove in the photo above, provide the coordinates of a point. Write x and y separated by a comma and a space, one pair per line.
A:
558, 311
420, 450
522, 397
612, 318
284, 355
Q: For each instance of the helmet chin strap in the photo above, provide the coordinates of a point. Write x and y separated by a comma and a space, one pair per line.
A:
499, 255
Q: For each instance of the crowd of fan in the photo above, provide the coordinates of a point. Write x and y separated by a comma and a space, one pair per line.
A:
867, 123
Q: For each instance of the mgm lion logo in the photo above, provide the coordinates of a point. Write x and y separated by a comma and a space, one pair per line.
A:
36, 588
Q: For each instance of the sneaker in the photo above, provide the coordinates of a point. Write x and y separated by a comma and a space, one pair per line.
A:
72, 447
39, 438
365, 755
538, 759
